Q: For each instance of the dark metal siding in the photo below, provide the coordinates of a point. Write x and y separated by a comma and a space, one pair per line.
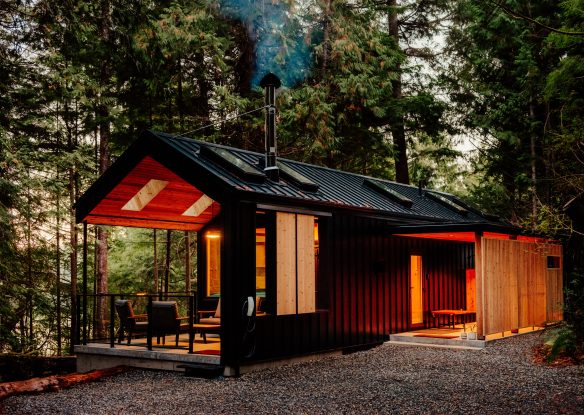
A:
367, 278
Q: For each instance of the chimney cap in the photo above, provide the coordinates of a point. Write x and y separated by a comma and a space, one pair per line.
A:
270, 80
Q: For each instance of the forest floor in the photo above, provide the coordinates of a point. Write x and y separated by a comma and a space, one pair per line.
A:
502, 378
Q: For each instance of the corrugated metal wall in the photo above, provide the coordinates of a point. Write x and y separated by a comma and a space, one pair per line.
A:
364, 288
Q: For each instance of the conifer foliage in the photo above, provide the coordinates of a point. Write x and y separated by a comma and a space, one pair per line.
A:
379, 88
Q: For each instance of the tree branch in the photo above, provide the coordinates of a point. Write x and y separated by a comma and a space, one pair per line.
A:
517, 15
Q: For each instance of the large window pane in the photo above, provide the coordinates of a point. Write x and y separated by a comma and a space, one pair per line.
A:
213, 254
261, 262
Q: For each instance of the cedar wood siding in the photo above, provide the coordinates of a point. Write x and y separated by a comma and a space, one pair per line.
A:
364, 286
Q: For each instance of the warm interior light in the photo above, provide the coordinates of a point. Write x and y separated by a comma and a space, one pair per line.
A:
212, 235
141, 294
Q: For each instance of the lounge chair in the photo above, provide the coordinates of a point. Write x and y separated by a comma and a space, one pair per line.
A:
166, 320
215, 315
130, 324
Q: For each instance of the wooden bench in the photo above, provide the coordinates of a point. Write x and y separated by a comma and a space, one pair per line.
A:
206, 328
451, 316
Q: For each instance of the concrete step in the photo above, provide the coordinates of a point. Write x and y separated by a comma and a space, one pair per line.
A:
202, 370
410, 338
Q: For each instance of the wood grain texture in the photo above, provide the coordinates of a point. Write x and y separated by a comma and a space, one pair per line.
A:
305, 264
286, 263
519, 290
159, 206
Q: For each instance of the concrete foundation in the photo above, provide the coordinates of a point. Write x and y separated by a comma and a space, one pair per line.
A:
100, 356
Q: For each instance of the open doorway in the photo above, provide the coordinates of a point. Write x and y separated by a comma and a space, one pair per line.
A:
416, 291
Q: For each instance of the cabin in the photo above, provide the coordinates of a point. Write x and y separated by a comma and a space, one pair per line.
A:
298, 260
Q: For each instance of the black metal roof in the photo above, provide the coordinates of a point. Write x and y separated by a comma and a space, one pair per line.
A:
336, 189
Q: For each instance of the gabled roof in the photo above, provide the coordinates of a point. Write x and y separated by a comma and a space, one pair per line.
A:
223, 173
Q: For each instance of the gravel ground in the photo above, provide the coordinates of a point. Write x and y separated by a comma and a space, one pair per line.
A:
501, 378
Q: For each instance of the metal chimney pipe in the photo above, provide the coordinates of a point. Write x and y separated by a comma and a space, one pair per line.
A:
270, 83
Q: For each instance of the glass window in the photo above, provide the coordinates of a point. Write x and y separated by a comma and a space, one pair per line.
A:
213, 254
553, 262
261, 262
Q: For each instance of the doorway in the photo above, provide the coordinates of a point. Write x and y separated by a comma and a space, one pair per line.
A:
416, 291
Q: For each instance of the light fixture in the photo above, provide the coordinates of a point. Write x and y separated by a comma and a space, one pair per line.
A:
212, 235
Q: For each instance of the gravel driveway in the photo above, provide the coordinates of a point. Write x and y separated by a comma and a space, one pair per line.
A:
388, 379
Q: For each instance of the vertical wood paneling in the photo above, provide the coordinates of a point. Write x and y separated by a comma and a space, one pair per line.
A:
286, 263
555, 288
479, 272
519, 289
305, 263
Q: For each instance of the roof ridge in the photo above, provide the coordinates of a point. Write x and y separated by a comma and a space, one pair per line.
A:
302, 163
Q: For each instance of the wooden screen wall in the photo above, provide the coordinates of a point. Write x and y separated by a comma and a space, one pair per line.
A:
296, 289
517, 289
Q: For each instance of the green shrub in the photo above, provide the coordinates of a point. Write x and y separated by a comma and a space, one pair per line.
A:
568, 338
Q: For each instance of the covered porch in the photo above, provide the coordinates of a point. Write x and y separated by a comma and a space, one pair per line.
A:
515, 286
154, 328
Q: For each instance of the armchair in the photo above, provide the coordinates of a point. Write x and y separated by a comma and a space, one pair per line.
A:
130, 323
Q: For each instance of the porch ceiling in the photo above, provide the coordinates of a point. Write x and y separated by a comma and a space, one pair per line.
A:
470, 236
151, 196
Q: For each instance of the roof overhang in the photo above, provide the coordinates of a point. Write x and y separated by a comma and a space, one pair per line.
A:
152, 196
462, 232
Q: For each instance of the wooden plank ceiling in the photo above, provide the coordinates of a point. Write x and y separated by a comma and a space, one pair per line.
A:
470, 236
151, 196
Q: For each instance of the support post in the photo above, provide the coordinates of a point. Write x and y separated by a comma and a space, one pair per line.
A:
191, 322
112, 320
237, 278
149, 326
480, 287
84, 282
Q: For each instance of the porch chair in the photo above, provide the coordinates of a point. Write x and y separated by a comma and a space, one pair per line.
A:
215, 315
166, 320
130, 324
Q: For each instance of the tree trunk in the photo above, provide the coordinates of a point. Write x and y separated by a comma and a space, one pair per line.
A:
155, 260
58, 276
180, 100
325, 37
104, 140
397, 118
54, 383
29, 291
532, 141
73, 258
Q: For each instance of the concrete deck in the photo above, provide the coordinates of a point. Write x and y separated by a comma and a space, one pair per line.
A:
100, 355
448, 337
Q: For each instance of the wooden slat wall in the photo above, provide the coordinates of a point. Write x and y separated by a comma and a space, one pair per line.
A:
286, 262
519, 290
305, 264
555, 288
364, 288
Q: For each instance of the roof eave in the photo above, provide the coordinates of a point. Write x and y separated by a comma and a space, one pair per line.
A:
455, 227
148, 144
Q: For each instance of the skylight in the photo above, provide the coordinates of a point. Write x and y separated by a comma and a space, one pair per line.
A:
388, 192
297, 179
231, 162
447, 202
